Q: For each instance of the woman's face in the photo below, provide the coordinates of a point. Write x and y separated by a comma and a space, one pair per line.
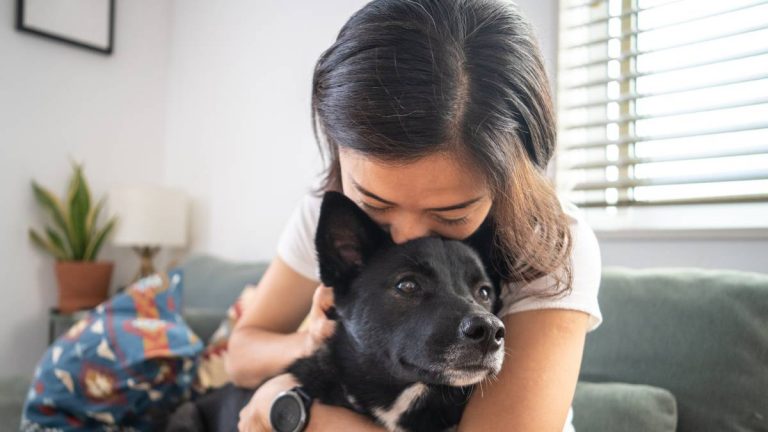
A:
434, 196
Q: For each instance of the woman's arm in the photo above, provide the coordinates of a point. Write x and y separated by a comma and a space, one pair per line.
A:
538, 378
264, 340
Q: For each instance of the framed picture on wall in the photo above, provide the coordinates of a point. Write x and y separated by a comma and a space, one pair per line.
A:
88, 24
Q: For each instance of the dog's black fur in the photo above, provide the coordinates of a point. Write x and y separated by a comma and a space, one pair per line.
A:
415, 328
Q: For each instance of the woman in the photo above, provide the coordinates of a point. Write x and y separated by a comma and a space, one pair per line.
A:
436, 115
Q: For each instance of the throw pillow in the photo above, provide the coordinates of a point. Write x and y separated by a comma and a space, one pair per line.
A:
124, 366
621, 407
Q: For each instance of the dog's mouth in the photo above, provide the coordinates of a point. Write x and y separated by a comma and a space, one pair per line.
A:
451, 374
463, 367
423, 371
470, 368
466, 377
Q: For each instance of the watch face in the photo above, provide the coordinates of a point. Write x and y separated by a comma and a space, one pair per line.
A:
287, 413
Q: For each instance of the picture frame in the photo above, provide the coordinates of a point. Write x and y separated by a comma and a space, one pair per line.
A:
88, 24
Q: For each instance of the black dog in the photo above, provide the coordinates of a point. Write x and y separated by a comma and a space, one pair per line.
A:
415, 329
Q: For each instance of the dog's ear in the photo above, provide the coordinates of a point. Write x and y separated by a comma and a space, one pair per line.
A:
346, 237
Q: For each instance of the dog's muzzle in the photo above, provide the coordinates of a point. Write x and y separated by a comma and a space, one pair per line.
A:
479, 351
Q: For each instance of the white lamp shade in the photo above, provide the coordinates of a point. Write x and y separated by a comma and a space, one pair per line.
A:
149, 216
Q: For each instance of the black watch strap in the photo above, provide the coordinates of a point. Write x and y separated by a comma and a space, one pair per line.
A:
307, 402
304, 396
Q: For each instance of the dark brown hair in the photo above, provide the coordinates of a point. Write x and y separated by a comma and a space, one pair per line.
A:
409, 78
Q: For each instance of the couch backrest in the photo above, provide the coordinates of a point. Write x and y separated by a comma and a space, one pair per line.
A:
211, 285
214, 283
702, 334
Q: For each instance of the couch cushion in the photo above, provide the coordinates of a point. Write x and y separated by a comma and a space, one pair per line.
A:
621, 407
699, 333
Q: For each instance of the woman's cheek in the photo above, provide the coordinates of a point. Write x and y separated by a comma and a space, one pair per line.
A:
457, 233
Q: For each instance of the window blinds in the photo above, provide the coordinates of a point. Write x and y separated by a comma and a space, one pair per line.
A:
663, 102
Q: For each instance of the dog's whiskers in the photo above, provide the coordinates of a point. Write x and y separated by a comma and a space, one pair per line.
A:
467, 394
507, 352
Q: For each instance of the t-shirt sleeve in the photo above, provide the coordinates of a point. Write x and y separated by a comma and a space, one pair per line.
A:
296, 245
586, 273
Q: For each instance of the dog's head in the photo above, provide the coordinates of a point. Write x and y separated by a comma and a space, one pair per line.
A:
421, 308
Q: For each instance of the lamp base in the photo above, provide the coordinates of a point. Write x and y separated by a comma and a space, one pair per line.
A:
146, 255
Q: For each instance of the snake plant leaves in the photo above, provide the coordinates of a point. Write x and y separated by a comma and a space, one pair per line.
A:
75, 235
97, 239
79, 199
93, 216
57, 241
54, 207
47, 245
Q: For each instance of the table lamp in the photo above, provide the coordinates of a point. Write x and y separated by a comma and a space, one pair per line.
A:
150, 217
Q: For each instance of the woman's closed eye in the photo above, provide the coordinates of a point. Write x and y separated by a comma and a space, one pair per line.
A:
444, 220
374, 208
452, 221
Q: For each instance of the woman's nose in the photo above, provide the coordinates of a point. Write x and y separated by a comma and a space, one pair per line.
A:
406, 229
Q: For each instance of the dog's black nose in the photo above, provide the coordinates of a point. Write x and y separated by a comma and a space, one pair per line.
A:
487, 330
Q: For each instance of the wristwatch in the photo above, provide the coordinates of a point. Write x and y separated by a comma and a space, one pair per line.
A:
290, 410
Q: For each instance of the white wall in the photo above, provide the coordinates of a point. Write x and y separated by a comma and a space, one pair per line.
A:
239, 134
59, 101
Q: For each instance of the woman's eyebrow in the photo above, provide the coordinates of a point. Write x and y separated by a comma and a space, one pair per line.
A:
370, 194
458, 206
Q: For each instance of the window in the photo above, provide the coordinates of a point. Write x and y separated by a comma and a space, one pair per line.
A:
663, 106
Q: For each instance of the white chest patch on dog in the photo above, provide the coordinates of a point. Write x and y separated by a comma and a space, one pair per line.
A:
403, 403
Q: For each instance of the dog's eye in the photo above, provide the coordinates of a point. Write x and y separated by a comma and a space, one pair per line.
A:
484, 293
407, 286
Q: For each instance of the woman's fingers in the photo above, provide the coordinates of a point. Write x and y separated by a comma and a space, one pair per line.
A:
326, 328
320, 327
323, 298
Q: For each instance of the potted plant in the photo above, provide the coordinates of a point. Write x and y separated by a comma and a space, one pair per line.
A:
74, 241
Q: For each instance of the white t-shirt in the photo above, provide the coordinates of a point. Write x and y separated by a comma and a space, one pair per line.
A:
296, 248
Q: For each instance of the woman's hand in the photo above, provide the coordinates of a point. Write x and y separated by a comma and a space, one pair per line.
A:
320, 327
255, 416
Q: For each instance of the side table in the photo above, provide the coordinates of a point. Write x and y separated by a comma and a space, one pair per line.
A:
59, 322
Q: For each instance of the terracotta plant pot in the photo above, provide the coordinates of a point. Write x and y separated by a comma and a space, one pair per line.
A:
82, 284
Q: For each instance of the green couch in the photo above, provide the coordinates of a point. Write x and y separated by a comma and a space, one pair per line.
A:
679, 349
685, 349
